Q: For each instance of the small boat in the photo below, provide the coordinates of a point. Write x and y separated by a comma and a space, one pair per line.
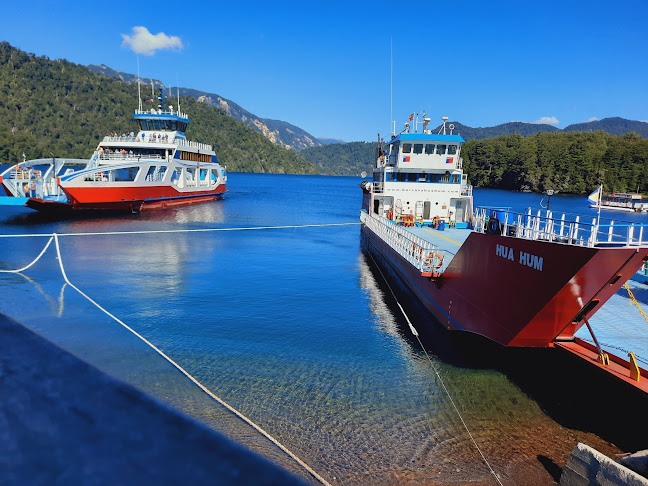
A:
520, 279
617, 201
155, 168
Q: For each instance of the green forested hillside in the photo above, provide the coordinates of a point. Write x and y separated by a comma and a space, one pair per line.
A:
343, 158
566, 162
62, 108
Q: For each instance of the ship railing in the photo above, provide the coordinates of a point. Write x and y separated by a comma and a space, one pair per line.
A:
198, 145
153, 111
467, 190
544, 225
423, 255
377, 187
128, 156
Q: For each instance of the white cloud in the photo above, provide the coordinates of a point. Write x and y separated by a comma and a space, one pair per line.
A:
547, 120
592, 119
143, 42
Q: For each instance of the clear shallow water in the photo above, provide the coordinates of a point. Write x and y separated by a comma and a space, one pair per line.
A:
294, 328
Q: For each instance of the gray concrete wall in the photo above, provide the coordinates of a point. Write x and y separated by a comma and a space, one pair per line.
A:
63, 421
587, 466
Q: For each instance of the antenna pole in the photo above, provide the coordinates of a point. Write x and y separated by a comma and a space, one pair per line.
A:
391, 84
139, 89
178, 90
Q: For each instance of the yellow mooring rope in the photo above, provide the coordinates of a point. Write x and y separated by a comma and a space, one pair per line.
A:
633, 300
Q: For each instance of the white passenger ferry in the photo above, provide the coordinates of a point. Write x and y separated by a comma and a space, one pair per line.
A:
155, 168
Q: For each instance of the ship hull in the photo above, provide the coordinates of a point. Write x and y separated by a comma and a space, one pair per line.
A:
514, 291
123, 199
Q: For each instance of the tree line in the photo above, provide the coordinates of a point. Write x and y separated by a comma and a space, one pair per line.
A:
572, 162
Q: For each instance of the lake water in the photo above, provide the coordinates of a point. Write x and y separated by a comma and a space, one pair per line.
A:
295, 328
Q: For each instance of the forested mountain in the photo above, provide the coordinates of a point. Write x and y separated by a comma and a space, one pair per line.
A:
63, 108
343, 159
277, 131
613, 126
524, 129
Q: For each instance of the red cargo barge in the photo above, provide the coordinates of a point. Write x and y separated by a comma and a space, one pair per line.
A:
555, 270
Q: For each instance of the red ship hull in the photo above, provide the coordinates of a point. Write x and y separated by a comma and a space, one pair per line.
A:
124, 199
514, 291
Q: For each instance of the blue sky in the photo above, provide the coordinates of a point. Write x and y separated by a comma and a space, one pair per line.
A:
325, 66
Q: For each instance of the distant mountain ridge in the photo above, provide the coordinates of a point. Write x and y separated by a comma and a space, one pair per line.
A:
277, 131
613, 126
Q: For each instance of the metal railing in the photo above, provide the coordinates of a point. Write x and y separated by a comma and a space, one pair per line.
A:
178, 141
561, 228
426, 257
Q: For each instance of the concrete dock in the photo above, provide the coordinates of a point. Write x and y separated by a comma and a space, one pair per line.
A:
63, 421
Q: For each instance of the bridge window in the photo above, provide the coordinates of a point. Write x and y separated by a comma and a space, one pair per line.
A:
407, 148
445, 177
452, 149
429, 148
412, 177
418, 148
441, 149
456, 178
433, 178
401, 177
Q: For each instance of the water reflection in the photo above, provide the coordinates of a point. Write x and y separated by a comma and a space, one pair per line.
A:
491, 386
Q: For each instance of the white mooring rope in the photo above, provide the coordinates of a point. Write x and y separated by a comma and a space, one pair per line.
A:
160, 352
436, 372
196, 230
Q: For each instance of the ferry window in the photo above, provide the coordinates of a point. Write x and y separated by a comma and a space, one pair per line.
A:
390, 176
407, 148
394, 148
151, 173
441, 149
445, 177
429, 148
177, 174
412, 177
124, 174
401, 177
452, 149
456, 178
433, 178
203, 174
422, 177
418, 148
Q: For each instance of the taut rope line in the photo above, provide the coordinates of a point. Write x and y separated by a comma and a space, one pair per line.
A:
196, 230
176, 365
436, 372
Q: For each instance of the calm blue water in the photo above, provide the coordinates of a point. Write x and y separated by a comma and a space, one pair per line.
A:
292, 326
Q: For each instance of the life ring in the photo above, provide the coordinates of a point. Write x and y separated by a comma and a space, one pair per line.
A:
429, 261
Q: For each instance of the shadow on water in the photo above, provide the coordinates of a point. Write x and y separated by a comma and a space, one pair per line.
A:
551, 467
571, 391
